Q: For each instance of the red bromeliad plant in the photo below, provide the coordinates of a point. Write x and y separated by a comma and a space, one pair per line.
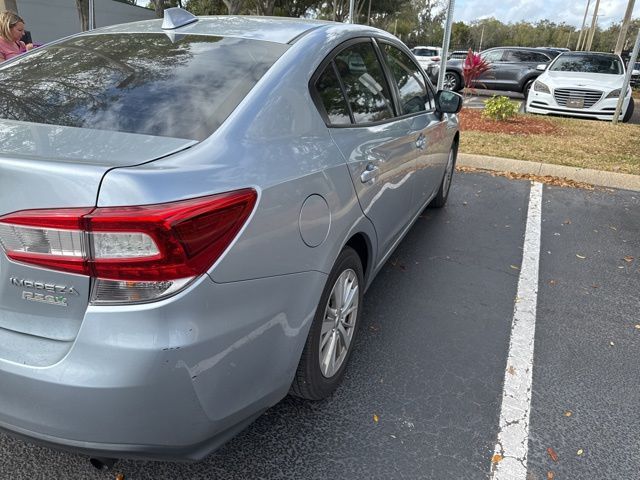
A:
474, 66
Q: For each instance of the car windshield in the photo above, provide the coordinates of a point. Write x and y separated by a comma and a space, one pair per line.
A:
425, 52
588, 63
154, 84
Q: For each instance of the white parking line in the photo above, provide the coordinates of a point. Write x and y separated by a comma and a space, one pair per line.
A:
510, 454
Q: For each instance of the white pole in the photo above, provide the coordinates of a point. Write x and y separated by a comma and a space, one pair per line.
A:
584, 24
627, 80
594, 25
624, 27
481, 37
445, 44
91, 13
351, 8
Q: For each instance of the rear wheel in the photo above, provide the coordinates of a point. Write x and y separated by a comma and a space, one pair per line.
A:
452, 81
333, 331
440, 200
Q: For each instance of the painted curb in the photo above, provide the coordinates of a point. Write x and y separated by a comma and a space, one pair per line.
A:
600, 178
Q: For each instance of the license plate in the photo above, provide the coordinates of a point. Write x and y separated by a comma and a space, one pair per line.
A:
575, 103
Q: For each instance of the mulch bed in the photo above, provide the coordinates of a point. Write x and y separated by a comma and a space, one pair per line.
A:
472, 119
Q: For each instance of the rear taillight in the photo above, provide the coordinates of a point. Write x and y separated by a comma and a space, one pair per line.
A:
136, 254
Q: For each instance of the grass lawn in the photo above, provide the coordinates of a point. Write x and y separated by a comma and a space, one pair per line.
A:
562, 141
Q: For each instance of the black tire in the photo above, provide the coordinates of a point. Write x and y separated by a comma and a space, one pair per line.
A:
440, 200
629, 113
310, 382
527, 87
452, 81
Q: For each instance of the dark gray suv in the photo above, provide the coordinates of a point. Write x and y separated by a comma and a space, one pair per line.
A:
512, 68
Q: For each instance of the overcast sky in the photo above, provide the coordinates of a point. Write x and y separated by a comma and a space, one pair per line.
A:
569, 11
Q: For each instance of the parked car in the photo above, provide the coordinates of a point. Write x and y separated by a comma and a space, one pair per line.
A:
429, 60
512, 69
635, 75
581, 84
190, 216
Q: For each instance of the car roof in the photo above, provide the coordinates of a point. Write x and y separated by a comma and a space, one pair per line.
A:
271, 29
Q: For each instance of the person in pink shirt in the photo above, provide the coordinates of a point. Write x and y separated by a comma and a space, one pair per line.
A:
11, 31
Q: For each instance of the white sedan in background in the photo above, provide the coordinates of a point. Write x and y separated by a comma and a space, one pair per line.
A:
581, 84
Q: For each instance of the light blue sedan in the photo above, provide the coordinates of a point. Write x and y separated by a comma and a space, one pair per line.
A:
190, 213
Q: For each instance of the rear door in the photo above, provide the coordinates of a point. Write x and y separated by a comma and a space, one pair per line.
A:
352, 91
518, 65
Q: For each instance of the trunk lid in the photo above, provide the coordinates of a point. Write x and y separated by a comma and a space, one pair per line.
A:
48, 166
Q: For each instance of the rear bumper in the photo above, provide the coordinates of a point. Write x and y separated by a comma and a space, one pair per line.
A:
172, 380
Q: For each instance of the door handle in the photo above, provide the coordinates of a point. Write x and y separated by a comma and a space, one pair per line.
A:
370, 173
421, 142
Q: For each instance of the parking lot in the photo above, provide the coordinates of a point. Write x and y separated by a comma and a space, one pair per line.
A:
422, 396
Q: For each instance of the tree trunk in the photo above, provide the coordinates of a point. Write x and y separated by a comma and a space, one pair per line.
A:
83, 14
234, 6
158, 7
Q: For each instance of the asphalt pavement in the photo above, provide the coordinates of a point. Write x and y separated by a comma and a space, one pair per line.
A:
422, 395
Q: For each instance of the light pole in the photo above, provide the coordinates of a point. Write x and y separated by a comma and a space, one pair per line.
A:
594, 23
624, 28
445, 44
584, 23
627, 80
91, 15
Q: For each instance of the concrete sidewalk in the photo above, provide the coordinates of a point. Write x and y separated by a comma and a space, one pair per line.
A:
584, 175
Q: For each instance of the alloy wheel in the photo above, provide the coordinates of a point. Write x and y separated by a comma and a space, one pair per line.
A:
338, 323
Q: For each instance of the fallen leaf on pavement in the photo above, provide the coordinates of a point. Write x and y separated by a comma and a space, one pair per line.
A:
568, 413
612, 344
496, 458
515, 267
375, 418
567, 222
580, 452
552, 282
581, 257
550, 475
119, 476
628, 259
552, 454
638, 327
511, 370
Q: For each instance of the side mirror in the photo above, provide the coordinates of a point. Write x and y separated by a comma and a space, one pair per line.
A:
448, 101
542, 67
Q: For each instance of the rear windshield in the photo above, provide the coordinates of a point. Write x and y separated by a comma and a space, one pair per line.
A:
588, 63
183, 87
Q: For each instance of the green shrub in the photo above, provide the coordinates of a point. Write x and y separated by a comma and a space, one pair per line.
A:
500, 108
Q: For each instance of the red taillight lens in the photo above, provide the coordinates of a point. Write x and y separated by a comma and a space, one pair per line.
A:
151, 243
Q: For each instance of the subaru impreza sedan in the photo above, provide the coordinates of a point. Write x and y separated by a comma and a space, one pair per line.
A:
190, 213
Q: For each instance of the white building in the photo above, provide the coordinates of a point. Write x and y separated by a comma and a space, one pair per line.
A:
49, 20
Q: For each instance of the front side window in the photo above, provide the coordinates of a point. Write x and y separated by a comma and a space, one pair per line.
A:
414, 93
142, 83
364, 83
588, 63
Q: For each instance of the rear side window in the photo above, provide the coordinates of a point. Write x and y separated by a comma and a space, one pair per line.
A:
525, 56
364, 83
328, 87
414, 93
142, 83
